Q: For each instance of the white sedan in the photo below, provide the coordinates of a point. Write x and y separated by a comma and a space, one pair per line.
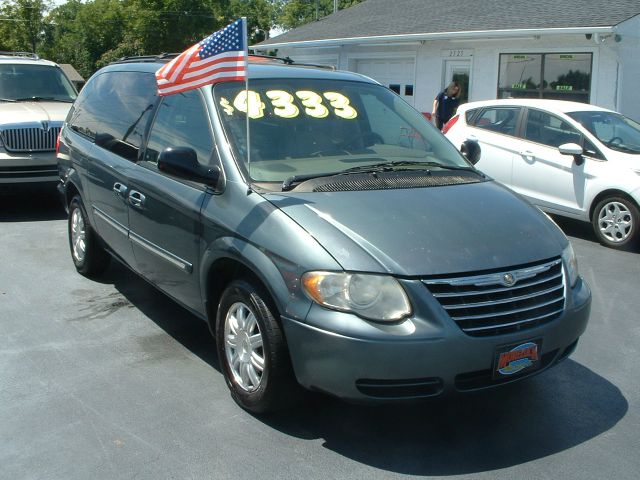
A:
570, 159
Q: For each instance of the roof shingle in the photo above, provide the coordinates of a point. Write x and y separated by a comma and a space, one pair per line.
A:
397, 17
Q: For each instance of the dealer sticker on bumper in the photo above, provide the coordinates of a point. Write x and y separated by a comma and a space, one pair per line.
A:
517, 359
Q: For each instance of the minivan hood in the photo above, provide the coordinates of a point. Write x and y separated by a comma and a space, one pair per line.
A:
31, 112
425, 231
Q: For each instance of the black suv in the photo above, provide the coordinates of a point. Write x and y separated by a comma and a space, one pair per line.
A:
341, 243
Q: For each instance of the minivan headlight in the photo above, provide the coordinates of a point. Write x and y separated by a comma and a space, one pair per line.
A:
375, 297
571, 264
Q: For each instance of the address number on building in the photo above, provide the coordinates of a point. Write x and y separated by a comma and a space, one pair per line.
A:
457, 53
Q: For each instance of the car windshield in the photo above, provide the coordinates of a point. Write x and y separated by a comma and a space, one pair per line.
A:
308, 127
614, 130
34, 83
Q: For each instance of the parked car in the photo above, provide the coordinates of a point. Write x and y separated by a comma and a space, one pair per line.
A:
570, 159
35, 97
356, 251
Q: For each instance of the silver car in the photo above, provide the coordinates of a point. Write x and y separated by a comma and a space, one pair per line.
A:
35, 97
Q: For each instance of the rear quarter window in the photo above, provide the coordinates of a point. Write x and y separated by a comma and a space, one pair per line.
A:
114, 110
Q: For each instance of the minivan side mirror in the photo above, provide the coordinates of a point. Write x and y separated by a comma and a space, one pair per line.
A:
471, 150
182, 162
573, 149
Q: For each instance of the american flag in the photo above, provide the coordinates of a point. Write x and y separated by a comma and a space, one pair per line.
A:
221, 57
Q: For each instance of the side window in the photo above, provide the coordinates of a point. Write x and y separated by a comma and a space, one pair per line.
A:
114, 110
500, 120
181, 121
542, 127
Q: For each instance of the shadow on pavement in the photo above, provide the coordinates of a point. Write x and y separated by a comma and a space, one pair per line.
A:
31, 204
179, 323
576, 228
480, 432
555, 411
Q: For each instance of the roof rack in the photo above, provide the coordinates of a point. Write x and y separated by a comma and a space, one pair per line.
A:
287, 61
29, 55
252, 57
145, 58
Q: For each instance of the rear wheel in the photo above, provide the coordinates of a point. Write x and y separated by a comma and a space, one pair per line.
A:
87, 254
252, 350
615, 222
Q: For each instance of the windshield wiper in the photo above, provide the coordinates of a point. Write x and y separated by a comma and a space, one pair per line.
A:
42, 99
7, 100
374, 168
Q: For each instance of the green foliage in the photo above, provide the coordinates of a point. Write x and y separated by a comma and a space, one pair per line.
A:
22, 24
299, 12
91, 33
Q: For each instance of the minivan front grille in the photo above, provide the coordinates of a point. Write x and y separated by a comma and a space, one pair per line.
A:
503, 302
30, 139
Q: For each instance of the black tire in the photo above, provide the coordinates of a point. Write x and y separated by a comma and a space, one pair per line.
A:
276, 388
89, 259
616, 222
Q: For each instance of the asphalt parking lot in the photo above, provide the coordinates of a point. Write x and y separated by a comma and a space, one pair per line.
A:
110, 379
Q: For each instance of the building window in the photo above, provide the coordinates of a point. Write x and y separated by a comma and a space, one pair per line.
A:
559, 76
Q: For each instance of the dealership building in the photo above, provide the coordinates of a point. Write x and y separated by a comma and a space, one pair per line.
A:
580, 50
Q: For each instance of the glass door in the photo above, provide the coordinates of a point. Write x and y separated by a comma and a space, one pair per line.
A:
459, 71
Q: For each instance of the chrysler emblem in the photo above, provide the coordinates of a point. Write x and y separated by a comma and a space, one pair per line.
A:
508, 280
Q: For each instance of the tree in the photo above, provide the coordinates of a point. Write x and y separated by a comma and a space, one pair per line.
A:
262, 16
26, 23
298, 12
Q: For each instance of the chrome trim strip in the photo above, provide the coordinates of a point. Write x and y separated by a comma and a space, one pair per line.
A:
508, 312
495, 278
113, 223
161, 252
495, 290
510, 324
506, 300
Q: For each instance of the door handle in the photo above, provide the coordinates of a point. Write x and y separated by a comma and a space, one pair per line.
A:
528, 155
119, 189
136, 199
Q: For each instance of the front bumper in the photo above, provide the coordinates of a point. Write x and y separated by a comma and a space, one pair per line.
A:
427, 355
16, 168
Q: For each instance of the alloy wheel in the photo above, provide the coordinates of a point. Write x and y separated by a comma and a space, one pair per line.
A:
244, 347
78, 236
615, 222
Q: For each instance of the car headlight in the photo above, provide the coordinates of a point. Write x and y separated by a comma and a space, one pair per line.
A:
375, 297
571, 264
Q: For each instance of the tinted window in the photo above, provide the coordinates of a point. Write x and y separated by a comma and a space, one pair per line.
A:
114, 109
542, 127
181, 121
500, 120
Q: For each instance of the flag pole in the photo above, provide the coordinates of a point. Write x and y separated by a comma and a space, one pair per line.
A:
246, 87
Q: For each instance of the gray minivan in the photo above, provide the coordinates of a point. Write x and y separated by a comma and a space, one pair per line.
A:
343, 245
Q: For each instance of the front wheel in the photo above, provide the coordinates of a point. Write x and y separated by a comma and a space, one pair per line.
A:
615, 222
87, 254
252, 350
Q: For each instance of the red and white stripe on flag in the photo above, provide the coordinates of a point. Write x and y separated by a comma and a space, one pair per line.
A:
221, 57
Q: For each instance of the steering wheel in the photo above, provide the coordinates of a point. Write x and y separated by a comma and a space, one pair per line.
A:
615, 141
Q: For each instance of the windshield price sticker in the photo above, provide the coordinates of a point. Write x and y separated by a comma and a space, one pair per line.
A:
284, 106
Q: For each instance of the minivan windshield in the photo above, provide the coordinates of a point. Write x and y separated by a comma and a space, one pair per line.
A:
614, 130
305, 127
28, 82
